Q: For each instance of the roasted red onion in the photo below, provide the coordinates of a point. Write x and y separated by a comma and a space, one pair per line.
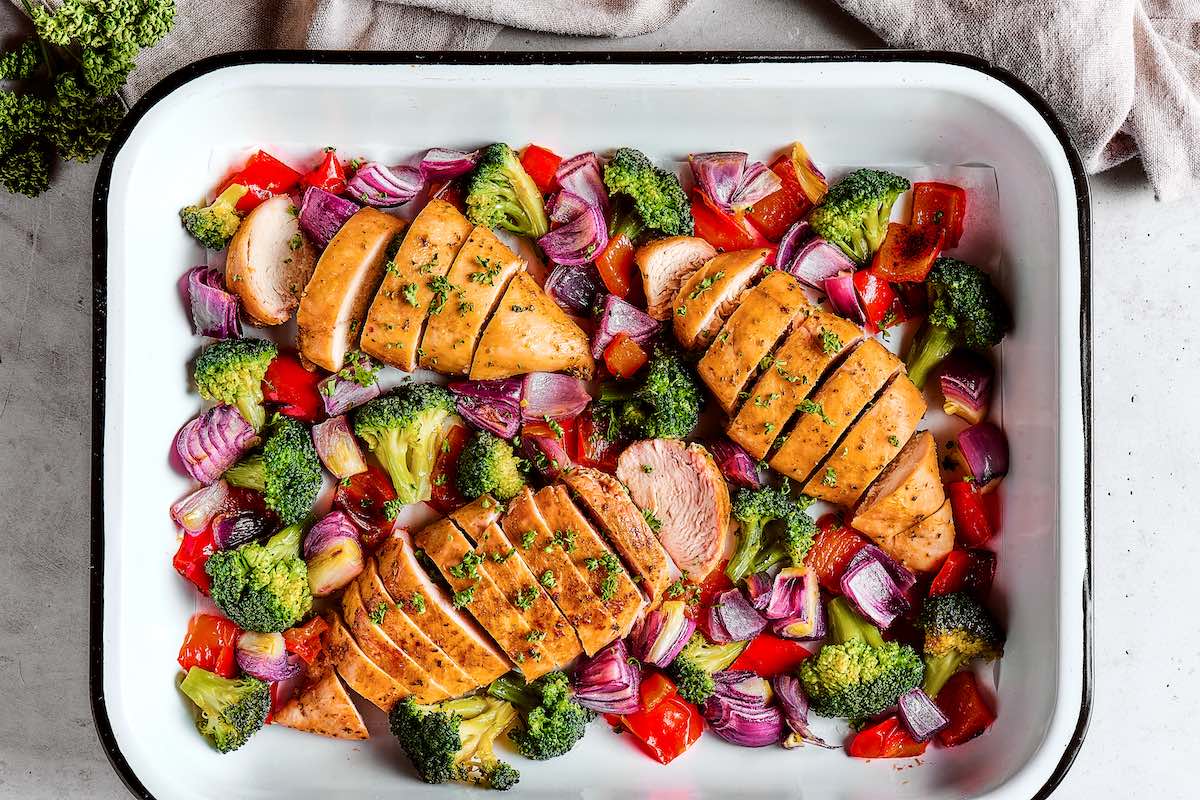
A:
966, 381
574, 288
213, 442
351, 386
869, 584
793, 238
757, 182
378, 185
731, 618
843, 298
443, 165
618, 316
812, 180
985, 449
238, 528
662, 633
337, 448
333, 553
739, 712
758, 587
322, 214
794, 594
493, 405
729, 182
550, 394
548, 454
581, 177
920, 716
795, 712
807, 626
579, 239
214, 310
265, 656
192, 513
607, 682
735, 463
816, 261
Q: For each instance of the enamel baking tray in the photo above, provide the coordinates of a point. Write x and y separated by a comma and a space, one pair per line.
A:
859, 108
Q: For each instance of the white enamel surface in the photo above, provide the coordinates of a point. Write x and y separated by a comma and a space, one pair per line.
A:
930, 113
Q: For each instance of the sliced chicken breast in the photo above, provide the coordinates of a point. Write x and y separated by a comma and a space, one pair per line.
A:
362, 674
763, 316
711, 293
665, 264
609, 503
908, 490
530, 333
873, 441
269, 262
322, 705
384, 652
408, 636
605, 574
414, 284
335, 301
478, 277
548, 552
429, 606
838, 400
793, 372
682, 488
925, 545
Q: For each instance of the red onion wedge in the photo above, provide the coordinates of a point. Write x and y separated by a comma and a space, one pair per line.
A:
493, 405
730, 182
920, 716
213, 442
442, 165
337, 448
265, 656
843, 298
549, 394
793, 238
869, 585
985, 449
739, 712
237, 528
192, 513
816, 261
322, 214
802, 628
735, 463
333, 552
352, 385
618, 316
757, 182
904, 577
581, 177
812, 181
795, 712
214, 310
966, 381
794, 594
662, 633
580, 238
575, 288
547, 454
607, 682
731, 618
758, 587
381, 186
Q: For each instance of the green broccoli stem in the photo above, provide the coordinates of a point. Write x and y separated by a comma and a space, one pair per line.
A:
514, 691
392, 453
249, 473
467, 707
931, 346
846, 624
287, 541
252, 411
626, 221
749, 545
938, 670
769, 557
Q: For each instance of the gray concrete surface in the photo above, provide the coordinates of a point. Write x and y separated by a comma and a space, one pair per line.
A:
1146, 441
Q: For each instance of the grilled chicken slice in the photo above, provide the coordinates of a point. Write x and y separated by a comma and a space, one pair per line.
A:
923, 546
428, 606
795, 370
335, 301
479, 275
403, 630
384, 652
711, 293
502, 561
665, 264
445, 544
269, 262
549, 551
907, 491
414, 282
530, 333
322, 705
609, 503
359, 672
839, 400
764, 315
606, 576
682, 487
874, 440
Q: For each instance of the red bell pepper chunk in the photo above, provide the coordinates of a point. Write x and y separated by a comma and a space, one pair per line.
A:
834, 547
963, 704
444, 496
908, 252
725, 232
776, 212
591, 448
666, 731
965, 570
768, 656
449, 191
624, 357
305, 640
888, 739
364, 497
210, 643
265, 176
288, 383
878, 301
541, 164
943, 205
329, 175
976, 514
655, 688
191, 556
616, 267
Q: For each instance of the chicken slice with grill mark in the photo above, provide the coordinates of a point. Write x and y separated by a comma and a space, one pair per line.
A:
665, 264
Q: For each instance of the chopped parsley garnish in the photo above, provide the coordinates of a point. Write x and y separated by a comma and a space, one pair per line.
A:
487, 274
646, 468
535, 635
894, 440
441, 289
654, 522
295, 243
565, 540
359, 368
500, 556
548, 580
417, 601
706, 284
527, 539
830, 477
468, 568
378, 613
831, 343
463, 598
808, 406
410, 294
524, 598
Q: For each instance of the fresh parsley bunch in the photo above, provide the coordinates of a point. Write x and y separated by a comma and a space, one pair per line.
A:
63, 98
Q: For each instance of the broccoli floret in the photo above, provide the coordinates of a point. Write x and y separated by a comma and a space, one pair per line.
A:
645, 197
858, 674
665, 405
231, 371
551, 722
262, 587
957, 629
488, 465
755, 509
500, 194
854, 214
231, 709
453, 740
287, 470
693, 668
964, 310
404, 430
213, 226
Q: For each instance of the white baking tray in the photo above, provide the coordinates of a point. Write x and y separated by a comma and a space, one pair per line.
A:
890, 108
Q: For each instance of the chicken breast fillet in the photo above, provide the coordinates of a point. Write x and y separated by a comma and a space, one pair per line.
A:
907, 491
269, 262
665, 264
925, 545
708, 297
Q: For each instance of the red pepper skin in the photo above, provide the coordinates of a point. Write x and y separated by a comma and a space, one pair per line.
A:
725, 232
265, 176
834, 546
908, 252
655, 688
450, 192
776, 212
940, 204
363, 498
191, 556
715, 583
888, 739
616, 266
210, 643
971, 570
288, 383
975, 513
624, 357
329, 175
963, 704
305, 640
877, 299
444, 496
768, 656
541, 164
591, 449
667, 731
